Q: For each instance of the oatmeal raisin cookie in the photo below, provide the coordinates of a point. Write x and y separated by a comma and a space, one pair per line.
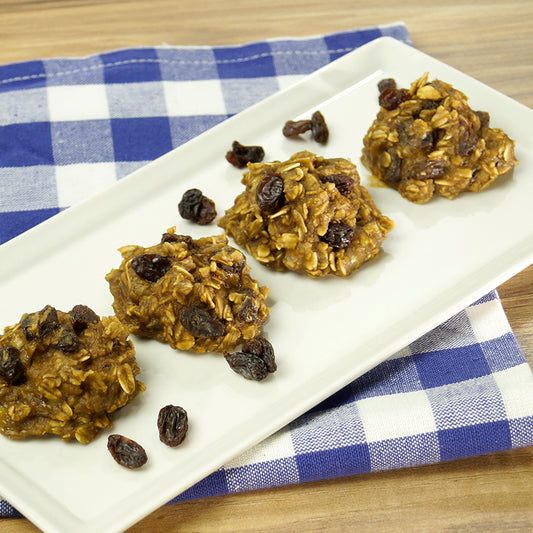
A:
427, 141
194, 294
309, 214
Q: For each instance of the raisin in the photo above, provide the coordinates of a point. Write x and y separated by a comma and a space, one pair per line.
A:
173, 237
430, 170
200, 323
263, 349
391, 98
294, 128
196, 207
339, 235
48, 321
247, 311
319, 128
235, 268
248, 365
81, 317
11, 368
467, 141
430, 105
30, 326
239, 155
392, 175
40, 324
151, 267
484, 118
68, 340
317, 125
386, 83
344, 183
172, 424
126, 452
269, 194
429, 140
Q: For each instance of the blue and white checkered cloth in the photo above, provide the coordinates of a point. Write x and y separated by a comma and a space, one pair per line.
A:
71, 127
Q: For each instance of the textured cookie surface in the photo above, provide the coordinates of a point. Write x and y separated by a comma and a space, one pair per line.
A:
309, 214
194, 294
427, 141
65, 374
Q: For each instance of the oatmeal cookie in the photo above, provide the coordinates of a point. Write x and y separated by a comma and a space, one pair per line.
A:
192, 294
65, 374
427, 140
309, 214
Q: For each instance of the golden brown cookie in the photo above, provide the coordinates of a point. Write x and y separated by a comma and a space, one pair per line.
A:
65, 374
309, 214
427, 141
192, 294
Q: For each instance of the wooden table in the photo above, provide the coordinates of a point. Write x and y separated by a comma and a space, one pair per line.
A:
491, 40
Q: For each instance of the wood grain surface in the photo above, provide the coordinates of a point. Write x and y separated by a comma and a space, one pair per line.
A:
489, 40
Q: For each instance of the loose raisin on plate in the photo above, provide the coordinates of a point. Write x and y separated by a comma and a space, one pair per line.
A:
196, 207
262, 348
82, 316
269, 194
240, 155
317, 125
294, 128
339, 235
255, 360
248, 365
172, 423
126, 452
319, 128
200, 323
11, 367
151, 267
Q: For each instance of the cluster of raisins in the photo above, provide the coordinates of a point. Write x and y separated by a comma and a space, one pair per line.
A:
255, 360
198, 208
316, 124
172, 425
42, 324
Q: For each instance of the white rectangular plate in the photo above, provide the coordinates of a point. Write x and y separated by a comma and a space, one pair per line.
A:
440, 257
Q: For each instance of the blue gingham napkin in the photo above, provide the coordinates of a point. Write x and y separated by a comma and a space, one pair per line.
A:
71, 127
